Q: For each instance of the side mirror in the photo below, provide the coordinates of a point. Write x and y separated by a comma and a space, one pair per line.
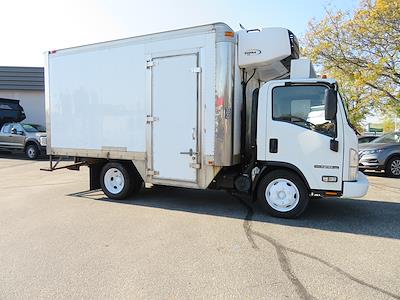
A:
330, 104
13, 131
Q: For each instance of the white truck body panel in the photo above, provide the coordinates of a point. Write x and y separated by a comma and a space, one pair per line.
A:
99, 97
90, 109
302, 68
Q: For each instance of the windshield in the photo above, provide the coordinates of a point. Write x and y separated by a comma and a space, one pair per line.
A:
302, 105
33, 128
393, 137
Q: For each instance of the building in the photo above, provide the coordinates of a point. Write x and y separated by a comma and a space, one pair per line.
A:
27, 85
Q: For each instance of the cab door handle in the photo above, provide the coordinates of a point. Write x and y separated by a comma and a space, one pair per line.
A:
273, 145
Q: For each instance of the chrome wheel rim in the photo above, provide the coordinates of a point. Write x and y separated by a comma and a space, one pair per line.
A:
282, 195
114, 181
31, 152
395, 167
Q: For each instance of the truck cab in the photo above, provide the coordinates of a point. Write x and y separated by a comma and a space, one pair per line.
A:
305, 139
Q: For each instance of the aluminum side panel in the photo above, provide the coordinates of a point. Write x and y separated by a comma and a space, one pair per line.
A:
97, 99
224, 103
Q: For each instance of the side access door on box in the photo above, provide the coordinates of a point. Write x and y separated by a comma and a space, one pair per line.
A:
173, 135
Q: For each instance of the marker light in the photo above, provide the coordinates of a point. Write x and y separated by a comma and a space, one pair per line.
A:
329, 179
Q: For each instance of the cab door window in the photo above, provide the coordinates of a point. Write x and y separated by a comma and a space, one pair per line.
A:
302, 105
18, 128
7, 128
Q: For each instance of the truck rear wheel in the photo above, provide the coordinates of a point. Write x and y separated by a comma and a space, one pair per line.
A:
282, 194
118, 181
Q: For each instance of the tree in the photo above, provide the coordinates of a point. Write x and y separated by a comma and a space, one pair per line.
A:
388, 125
362, 50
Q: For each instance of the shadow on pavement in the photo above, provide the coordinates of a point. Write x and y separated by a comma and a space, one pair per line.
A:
21, 156
378, 174
357, 216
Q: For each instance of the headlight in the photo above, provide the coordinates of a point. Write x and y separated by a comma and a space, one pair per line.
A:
43, 141
372, 151
353, 165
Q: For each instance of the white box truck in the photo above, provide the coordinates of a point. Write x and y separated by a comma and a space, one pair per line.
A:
203, 107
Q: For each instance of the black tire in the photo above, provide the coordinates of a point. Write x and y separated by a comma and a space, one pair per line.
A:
295, 184
32, 151
392, 167
130, 183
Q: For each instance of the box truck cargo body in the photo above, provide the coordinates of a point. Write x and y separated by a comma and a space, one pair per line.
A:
148, 99
193, 108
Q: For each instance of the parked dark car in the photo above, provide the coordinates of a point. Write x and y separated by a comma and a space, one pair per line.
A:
30, 138
11, 111
366, 138
382, 153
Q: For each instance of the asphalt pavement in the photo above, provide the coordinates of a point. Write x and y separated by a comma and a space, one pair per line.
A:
58, 240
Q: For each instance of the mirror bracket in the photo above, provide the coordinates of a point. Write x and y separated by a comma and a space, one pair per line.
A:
334, 145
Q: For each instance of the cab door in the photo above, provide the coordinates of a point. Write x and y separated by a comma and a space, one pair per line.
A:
17, 138
5, 132
296, 133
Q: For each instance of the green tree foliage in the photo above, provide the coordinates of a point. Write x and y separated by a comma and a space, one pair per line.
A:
388, 125
362, 51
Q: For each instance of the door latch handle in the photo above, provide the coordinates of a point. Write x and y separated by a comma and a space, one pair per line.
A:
194, 133
273, 145
190, 152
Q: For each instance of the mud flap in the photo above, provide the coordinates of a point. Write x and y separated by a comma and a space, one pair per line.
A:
94, 174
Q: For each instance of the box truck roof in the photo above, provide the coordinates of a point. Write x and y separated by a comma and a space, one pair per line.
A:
220, 28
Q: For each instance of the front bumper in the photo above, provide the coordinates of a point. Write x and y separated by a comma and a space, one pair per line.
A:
371, 162
43, 150
356, 189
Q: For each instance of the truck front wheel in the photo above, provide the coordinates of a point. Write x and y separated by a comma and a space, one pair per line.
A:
117, 181
282, 194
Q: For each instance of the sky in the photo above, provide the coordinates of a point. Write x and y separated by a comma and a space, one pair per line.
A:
30, 27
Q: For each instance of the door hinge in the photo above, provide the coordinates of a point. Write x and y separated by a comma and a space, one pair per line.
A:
196, 70
195, 166
149, 64
152, 172
150, 119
